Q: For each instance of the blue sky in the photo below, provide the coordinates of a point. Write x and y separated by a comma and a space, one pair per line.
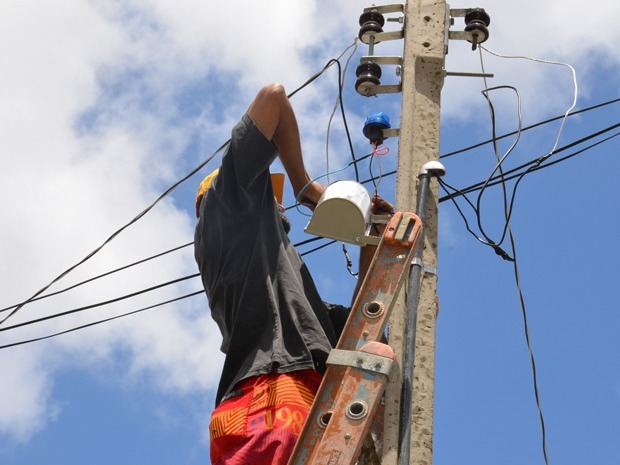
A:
104, 105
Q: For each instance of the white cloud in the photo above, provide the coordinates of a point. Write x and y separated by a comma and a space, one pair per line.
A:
25, 391
90, 145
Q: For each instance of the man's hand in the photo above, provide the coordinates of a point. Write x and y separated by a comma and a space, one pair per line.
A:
380, 206
311, 194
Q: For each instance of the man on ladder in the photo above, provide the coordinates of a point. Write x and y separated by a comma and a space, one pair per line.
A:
277, 332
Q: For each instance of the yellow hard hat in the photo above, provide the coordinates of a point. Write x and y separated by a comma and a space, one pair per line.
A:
277, 181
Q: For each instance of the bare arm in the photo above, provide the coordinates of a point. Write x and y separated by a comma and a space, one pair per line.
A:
272, 113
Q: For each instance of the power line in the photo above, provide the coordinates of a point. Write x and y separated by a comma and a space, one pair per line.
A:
100, 304
535, 164
311, 240
478, 185
116, 233
457, 193
527, 128
6, 346
508, 206
493, 181
146, 210
330, 242
100, 276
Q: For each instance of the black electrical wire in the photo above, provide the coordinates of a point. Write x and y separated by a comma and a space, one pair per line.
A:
162, 196
344, 121
461, 192
522, 175
536, 164
497, 180
102, 275
339, 103
100, 304
478, 186
6, 346
496, 245
498, 168
355, 161
318, 248
450, 196
551, 120
443, 184
529, 345
116, 233
508, 207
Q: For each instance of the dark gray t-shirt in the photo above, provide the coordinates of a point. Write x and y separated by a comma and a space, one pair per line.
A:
260, 292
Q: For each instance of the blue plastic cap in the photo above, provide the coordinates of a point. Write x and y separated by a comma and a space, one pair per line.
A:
378, 118
374, 125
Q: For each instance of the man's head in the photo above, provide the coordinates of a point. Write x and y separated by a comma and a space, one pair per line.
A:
277, 182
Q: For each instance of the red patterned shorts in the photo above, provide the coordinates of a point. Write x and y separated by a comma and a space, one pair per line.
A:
260, 426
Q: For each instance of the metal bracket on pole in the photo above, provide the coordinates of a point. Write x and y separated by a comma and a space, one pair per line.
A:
371, 33
427, 268
370, 65
391, 132
476, 23
381, 36
362, 360
463, 74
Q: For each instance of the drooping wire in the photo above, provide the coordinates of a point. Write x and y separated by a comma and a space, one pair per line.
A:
100, 304
344, 118
507, 212
499, 165
161, 197
379, 152
338, 103
515, 265
508, 206
495, 244
477, 186
114, 235
28, 341
51, 294
515, 172
445, 186
527, 128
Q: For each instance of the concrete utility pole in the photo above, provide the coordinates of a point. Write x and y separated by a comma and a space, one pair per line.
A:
425, 39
